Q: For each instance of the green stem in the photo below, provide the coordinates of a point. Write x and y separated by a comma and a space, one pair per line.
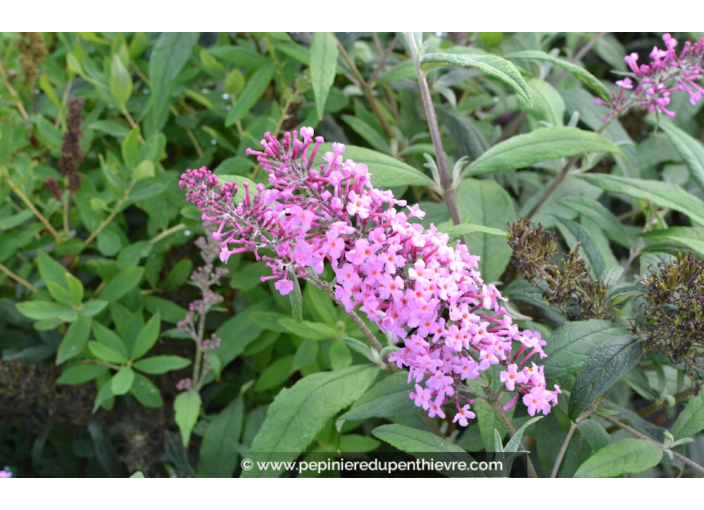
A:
167, 233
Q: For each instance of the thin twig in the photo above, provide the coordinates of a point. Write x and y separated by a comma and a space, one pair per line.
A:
30, 205
656, 406
17, 278
633, 431
382, 61
366, 90
13, 93
562, 175
166, 233
563, 450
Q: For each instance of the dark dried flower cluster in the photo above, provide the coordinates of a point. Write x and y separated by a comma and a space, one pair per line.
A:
674, 313
567, 287
29, 393
71, 152
32, 53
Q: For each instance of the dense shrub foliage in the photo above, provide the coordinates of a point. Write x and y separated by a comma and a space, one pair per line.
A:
224, 248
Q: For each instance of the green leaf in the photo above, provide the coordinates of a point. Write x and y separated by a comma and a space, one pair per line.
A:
457, 231
108, 338
147, 337
548, 104
219, 451
515, 441
105, 353
121, 284
253, 90
93, 307
120, 81
604, 367
486, 202
387, 398
572, 343
362, 348
169, 56
691, 420
689, 148
306, 354
323, 61
43, 310
16, 219
370, 135
300, 412
80, 374
239, 55
490, 65
544, 144
122, 381
161, 364
585, 76
63, 286
686, 237
110, 127
275, 374
130, 148
386, 172
145, 392
596, 212
239, 331
411, 440
658, 192
309, 330
595, 434
406, 70
104, 397
145, 170
109, 243
75, 339
358, 443
627, 456
187, 408
319, 305
340, 355
469, 141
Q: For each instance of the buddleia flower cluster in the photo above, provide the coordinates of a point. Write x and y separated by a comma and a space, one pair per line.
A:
666, 72
423, 293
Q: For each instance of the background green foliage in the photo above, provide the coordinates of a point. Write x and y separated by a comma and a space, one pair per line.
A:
94, 282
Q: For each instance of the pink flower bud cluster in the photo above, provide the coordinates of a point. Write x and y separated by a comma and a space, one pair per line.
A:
666, 73
408, 280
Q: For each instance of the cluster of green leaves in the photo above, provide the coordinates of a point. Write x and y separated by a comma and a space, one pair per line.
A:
100, 278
